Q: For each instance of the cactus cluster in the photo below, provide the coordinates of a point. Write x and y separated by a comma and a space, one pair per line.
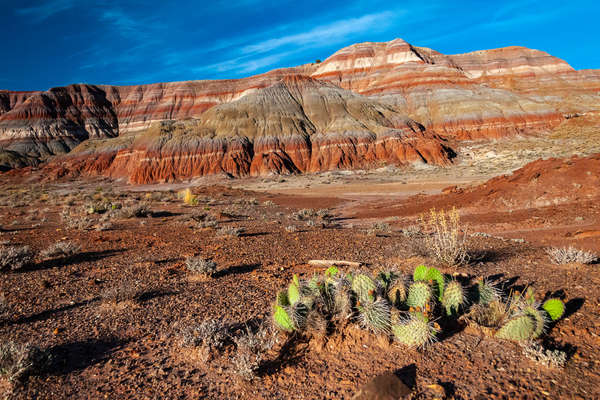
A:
406, 308
518, 318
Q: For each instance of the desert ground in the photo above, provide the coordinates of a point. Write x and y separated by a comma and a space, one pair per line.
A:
112, 312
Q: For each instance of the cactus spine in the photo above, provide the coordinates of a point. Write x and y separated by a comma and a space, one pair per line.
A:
364, 287
375, 316
419, 295
415, 331
518, 329
453, 298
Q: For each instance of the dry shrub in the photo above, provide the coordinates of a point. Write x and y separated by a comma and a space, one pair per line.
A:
18, 361
15, 257
251, 350
445, 240
61, 249
567, 255
201, 266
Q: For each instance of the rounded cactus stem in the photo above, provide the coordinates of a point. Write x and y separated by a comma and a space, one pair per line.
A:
419, 295
397, 292
282, 319
518, 329
555, 308
364, 287
293, 293
436, 276
540, 320
487, 293
415, 331
420, 273
453, 298
375, 316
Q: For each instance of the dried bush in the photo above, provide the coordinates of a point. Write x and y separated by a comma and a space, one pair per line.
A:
201, 266
566, 255
304, 214
61, 249
125, 291
231, 231
291, 229
18, 361
446, 241
549, 358
135, 211
15, 257
210, 336
251, 349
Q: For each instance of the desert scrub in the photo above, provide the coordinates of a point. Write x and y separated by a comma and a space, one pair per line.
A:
252, 347
291, 229
549, 358
18, 361
135, 211
128, 290
304, 214
15, 257
567, 255
209, 336
201, 266
231, 231
445, 239
60, 249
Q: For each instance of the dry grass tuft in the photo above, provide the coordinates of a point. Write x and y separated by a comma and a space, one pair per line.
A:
446, 239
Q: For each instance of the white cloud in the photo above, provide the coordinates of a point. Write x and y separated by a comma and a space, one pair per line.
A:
325, 34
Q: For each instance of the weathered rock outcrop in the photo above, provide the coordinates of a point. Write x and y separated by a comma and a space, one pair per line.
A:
297, 125
448, 94
483, 94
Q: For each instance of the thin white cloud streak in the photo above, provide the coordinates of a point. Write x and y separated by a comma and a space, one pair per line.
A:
325, 34
47, 9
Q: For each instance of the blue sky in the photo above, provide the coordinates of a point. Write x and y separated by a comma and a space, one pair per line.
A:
58, 42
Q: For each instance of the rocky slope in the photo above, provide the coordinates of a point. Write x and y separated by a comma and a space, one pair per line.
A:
484, 94
299, 124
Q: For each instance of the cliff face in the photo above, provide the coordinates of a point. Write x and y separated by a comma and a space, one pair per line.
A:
296, 125
285, 123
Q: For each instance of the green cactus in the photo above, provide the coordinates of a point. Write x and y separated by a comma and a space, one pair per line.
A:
487, 293
453, 298
555, 308
397, 292
282, 319
419, 295
282, 299
416, 331
436, 276
518, 329
364, 287
538, 317
331, 272
375, 316
293, 293
420, 273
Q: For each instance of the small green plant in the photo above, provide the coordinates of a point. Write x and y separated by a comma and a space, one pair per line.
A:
453, 298
419, 295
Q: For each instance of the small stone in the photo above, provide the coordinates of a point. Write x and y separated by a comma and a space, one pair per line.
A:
383, 387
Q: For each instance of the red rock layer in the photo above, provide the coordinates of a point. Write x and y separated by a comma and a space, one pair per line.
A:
317, 127
482, 94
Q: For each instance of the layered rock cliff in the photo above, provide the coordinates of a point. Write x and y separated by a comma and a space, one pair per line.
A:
296, 125
483, 94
